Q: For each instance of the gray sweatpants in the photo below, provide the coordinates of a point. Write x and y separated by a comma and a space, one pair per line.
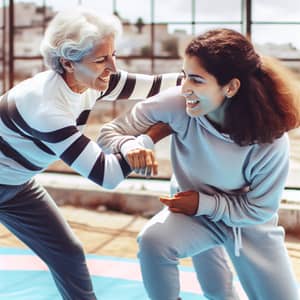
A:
263, 266
215, 276
30, 213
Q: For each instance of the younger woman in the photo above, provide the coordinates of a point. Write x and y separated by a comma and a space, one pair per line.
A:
230, 157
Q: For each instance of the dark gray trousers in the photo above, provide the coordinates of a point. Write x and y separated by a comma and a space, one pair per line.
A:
30, 213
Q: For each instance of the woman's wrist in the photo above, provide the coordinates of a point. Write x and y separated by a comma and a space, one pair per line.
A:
142, 141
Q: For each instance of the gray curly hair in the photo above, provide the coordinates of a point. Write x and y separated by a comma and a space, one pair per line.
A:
73, 36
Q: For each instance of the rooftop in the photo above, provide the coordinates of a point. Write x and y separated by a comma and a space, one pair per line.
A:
108, 221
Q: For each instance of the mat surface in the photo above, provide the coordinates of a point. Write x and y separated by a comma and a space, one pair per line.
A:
23, 276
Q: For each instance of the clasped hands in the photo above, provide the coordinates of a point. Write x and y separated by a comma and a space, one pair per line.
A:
143, 162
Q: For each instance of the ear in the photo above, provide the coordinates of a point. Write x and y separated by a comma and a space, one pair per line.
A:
232, 87
67, 65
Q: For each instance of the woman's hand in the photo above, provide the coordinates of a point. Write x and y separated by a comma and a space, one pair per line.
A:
142, 161
159, 131
184, 202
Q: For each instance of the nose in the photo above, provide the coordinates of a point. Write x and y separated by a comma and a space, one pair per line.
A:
186, 90
111, 64
187, 94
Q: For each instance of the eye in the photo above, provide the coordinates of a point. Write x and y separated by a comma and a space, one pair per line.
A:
100, 61
197, 80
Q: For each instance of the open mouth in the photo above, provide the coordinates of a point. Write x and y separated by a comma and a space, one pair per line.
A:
104, 79
192, 103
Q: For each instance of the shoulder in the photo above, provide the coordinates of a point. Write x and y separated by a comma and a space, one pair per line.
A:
170, 99
32, 102
276, 152
167, 106
36, 86
278, 146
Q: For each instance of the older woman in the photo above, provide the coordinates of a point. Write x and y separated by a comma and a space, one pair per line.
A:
41, 121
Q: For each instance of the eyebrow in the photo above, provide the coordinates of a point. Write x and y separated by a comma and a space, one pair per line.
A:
103, 56
193, 75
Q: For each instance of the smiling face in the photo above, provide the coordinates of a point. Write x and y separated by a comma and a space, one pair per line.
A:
203, 94
94, 70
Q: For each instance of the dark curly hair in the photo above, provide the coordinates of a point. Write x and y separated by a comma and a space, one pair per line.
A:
267, 102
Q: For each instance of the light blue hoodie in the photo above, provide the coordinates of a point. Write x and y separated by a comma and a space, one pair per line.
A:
241, 186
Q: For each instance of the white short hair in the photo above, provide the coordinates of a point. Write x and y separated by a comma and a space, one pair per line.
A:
73, 35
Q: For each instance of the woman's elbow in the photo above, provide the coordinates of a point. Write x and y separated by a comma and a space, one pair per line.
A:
112, 181
111, 185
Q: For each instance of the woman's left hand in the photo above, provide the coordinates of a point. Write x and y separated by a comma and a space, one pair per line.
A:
184, 202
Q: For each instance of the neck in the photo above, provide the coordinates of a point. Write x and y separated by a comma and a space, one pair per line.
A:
217, 117
72, 83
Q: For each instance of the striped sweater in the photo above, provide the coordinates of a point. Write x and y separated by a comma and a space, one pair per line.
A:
41, 121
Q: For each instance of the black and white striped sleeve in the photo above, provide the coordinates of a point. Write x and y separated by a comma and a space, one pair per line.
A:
85, 157
124, 85
59, 135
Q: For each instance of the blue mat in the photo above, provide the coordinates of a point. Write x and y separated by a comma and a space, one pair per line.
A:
24, 284
38, 285
23, 276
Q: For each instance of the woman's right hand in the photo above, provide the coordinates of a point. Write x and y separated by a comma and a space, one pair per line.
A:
142, 161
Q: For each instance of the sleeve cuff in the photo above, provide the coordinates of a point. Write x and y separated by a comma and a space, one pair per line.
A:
145, 141
207, 205
142, 141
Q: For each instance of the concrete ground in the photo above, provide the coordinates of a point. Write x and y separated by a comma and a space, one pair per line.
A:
114, 234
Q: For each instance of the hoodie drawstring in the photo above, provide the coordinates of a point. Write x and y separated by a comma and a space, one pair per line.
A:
237, 233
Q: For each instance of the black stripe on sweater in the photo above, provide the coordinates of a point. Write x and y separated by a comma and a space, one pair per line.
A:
123, 164
97, 173
128, 87
155, 86
10, 152
82, 119
74, 150
9, 124
113, 81
55, 136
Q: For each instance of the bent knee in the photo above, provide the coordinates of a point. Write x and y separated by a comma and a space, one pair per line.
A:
153, 243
